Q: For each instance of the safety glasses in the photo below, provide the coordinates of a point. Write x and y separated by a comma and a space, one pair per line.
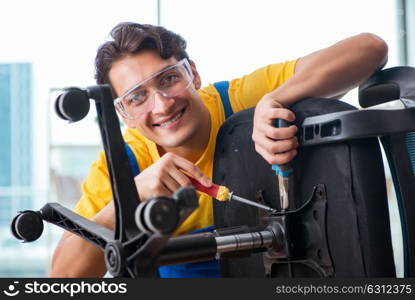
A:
169, 83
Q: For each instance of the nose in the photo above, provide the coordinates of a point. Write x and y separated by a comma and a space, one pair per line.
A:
162, 104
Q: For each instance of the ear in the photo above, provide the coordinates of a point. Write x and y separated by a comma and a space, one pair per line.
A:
196, 77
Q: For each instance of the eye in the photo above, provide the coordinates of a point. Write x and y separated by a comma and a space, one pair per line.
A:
170, 79
136, 97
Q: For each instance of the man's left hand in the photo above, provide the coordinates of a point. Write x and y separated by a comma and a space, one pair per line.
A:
276, 145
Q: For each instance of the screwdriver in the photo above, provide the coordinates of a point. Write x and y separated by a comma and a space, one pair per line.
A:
285, 185
284, 174
222, 193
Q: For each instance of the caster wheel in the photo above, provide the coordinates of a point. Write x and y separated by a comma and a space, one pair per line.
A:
72, 105
157, 215
27, 226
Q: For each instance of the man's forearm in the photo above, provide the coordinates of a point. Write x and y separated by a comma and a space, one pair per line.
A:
75, 257
335, 70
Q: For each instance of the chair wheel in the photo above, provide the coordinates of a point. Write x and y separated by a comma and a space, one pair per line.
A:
72, 105
27, 226
157, 216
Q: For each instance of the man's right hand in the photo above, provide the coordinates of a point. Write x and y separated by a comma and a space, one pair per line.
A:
165, 176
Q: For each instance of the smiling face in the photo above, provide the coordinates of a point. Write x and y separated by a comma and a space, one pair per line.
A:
174, 122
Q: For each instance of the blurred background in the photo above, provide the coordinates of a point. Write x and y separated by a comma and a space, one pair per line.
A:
47, 45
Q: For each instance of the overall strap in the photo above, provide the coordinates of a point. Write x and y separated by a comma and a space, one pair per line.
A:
133, 160
222, 87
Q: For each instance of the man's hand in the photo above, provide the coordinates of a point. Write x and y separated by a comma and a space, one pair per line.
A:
276, 145
165, 176
327, 73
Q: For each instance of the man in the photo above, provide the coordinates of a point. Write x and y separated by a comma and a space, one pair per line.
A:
173, 122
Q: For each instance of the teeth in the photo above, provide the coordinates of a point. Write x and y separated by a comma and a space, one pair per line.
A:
178, 116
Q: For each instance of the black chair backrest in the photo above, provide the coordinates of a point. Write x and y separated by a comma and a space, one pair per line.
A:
357, 220
386, 85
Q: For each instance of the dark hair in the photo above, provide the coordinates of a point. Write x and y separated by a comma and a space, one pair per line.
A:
130, 38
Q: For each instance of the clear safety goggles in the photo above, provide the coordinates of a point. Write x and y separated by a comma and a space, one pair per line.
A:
169, 83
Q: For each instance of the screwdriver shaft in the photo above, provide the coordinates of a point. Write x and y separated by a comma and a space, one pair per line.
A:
283, 185
249, 202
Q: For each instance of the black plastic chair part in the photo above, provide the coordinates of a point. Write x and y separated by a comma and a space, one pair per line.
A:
386, 85
357, 219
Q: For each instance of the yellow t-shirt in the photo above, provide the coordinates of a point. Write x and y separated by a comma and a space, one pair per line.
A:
243, 92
